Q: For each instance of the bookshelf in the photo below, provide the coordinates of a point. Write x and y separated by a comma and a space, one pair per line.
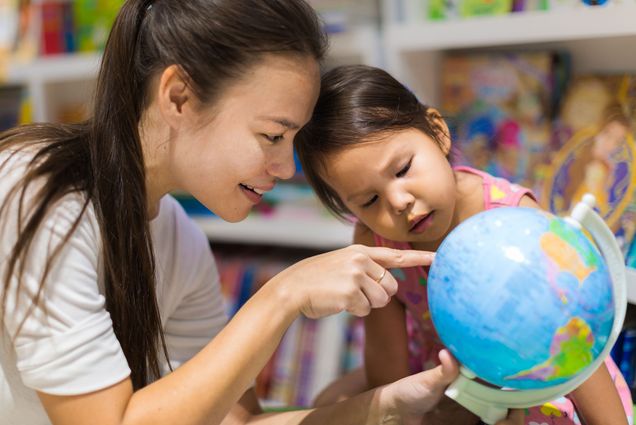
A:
361, 45
52, 82
315, 233
598, 38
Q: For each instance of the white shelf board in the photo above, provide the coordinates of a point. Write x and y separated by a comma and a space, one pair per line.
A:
316, 234
362, 44
579, 23
55, 68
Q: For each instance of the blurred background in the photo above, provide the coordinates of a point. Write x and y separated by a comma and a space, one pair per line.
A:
530, 88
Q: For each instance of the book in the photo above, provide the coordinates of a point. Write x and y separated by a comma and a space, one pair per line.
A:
11, 98
499, 110
451, 9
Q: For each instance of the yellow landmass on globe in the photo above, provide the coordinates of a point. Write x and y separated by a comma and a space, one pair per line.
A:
565, 256
570, 352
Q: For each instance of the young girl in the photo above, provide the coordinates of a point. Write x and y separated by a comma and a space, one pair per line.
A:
372, 150
106, 286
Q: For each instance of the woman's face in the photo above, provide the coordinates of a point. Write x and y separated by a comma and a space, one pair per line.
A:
244, 145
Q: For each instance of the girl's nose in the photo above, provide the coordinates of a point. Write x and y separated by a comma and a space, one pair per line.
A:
400, 201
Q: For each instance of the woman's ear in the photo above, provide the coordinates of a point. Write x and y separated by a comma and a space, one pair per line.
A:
172, 94
441, 129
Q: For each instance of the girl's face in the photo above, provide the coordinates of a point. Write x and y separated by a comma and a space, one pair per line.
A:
401, 187
238, 151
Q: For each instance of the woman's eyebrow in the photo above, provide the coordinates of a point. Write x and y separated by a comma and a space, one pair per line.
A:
282, 121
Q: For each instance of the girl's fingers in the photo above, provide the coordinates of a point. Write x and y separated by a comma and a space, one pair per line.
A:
393, 258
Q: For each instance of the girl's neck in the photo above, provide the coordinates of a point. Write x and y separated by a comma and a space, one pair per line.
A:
469, 201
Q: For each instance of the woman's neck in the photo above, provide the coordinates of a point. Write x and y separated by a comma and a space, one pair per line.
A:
155, 144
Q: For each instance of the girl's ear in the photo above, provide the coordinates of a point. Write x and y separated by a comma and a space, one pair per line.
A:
441, 129
172, 95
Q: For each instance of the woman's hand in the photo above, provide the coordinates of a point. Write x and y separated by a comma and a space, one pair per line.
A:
352, 279
515, 417
412, 398
449, 412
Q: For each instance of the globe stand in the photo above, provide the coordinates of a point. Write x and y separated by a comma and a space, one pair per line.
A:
492, 404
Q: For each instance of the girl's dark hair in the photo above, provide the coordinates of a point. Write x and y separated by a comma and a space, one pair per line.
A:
214, 42
358, 104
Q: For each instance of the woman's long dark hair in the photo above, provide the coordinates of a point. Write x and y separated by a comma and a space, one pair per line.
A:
213, 42
358, 104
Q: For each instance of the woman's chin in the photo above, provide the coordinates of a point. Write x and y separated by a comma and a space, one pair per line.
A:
233, 216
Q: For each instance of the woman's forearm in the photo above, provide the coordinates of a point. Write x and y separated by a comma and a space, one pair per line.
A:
372, 408
205, 388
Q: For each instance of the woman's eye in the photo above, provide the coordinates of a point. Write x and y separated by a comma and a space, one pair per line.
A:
370, 202
404, 170
274, 138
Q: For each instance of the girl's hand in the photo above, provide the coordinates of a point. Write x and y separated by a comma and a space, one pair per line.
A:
352, 279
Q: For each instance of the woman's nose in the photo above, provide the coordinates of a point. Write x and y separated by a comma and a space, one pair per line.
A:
281, 164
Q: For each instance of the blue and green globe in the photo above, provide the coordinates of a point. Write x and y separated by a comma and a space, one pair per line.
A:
521, 297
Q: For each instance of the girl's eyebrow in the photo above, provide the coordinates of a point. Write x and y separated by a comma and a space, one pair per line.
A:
355, 195
387, 165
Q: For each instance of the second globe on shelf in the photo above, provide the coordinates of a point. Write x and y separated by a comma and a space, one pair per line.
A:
521, 298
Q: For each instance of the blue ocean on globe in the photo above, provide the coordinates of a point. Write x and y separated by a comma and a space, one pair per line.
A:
521, 297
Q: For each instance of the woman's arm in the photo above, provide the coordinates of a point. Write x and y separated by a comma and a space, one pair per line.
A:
597, 401
404, 402
204, 389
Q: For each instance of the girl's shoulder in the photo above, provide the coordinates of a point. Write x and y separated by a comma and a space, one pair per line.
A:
497, 191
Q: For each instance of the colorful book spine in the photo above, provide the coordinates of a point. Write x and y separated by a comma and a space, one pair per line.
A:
52, 28
627, 360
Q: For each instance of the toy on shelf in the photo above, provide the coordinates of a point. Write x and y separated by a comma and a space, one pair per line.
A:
597, 123
525, 302
449, 9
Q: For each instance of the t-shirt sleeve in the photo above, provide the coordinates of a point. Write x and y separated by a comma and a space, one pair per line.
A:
501, 192
64, 345
191, 291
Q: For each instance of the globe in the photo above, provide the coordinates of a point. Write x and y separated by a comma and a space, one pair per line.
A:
522, 298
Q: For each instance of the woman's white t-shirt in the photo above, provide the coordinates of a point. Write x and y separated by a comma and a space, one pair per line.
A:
66, 345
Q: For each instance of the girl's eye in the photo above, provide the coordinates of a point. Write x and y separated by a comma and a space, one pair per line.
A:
370, 202
404, 170
274, 138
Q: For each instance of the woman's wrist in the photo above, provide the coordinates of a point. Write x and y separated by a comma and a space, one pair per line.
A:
285, 299
387, 409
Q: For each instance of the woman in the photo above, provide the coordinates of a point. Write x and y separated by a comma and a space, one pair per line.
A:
107, 286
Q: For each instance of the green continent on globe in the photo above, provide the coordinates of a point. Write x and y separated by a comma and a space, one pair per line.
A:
570, 352
558, 245
571, 236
